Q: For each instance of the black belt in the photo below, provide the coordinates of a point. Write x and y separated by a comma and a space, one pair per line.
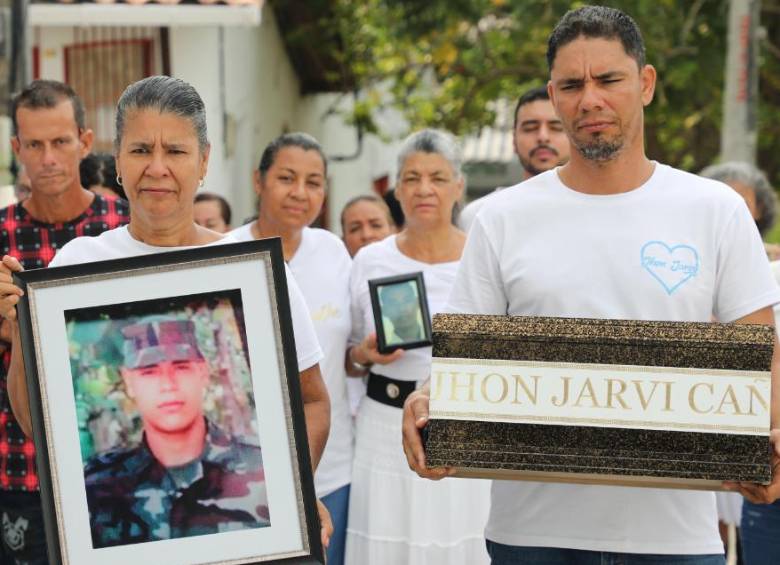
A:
389, 391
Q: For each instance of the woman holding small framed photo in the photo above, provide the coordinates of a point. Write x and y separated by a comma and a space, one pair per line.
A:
394, 516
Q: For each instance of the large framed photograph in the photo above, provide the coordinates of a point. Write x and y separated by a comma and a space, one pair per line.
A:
401, 314
167, 410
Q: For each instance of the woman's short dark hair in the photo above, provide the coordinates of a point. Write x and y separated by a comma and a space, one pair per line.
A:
164, 94
597, 22
224, 207
99, 169
295, 139
373, 199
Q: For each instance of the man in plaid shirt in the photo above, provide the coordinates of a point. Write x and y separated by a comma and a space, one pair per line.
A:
49, 140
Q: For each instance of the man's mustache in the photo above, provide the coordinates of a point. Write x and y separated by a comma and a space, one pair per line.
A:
540, 147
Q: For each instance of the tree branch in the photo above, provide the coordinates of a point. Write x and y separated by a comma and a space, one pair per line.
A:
486, 78
682, 48
772, 48
487, 52
774, 9
689, 21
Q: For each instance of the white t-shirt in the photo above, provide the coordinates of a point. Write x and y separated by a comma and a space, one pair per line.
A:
384, 259
467, 215
321, 267
678, 248
118, 243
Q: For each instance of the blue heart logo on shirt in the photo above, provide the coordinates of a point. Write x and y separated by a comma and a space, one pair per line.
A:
672, 266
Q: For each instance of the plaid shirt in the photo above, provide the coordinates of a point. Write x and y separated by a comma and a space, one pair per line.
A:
34, 244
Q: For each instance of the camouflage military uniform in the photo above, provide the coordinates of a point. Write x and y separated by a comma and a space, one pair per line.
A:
133, 498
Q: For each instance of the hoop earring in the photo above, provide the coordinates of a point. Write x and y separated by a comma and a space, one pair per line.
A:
119, 180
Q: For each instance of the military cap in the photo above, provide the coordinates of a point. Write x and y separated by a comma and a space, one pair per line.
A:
154, 339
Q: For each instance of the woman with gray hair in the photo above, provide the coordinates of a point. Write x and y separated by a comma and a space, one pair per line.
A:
751, 183
395, 516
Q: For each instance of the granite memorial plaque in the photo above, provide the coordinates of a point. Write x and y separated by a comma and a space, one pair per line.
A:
659, 404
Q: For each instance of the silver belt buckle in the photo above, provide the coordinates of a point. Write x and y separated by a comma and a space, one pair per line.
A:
392, 391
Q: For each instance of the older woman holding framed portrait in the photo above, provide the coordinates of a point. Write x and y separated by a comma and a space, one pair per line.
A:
162, 153
394, 516
290, 182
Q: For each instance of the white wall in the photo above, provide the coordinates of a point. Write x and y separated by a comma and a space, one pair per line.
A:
274, 97
195, 58
255, 103
51, 43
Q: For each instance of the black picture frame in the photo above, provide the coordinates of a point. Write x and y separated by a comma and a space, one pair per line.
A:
200, 266
386, 343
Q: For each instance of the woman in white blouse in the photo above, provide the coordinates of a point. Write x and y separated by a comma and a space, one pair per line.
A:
291, 181
394, 516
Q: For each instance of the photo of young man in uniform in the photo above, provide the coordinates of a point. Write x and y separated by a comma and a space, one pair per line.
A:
187, 476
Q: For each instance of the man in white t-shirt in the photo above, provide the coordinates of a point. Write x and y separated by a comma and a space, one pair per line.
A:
609, 235
539, 141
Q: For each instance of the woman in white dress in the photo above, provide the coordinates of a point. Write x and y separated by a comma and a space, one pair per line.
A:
162, 153
290, 182
395, 517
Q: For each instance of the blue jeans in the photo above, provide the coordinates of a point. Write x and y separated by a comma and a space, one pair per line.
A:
337, 504
513, 555
760, 532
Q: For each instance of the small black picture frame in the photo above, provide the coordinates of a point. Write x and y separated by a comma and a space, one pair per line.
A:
400, 298
250, 276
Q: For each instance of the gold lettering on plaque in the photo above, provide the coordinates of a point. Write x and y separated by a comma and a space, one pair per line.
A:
729, 399
668, 396
757, 395
504, 388
520, 383
587, 387
455, 385
565, 399
645, 400
437, 388
616, 395
692, 398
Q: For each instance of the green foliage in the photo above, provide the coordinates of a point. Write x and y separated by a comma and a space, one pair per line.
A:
774, 234
445, 60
